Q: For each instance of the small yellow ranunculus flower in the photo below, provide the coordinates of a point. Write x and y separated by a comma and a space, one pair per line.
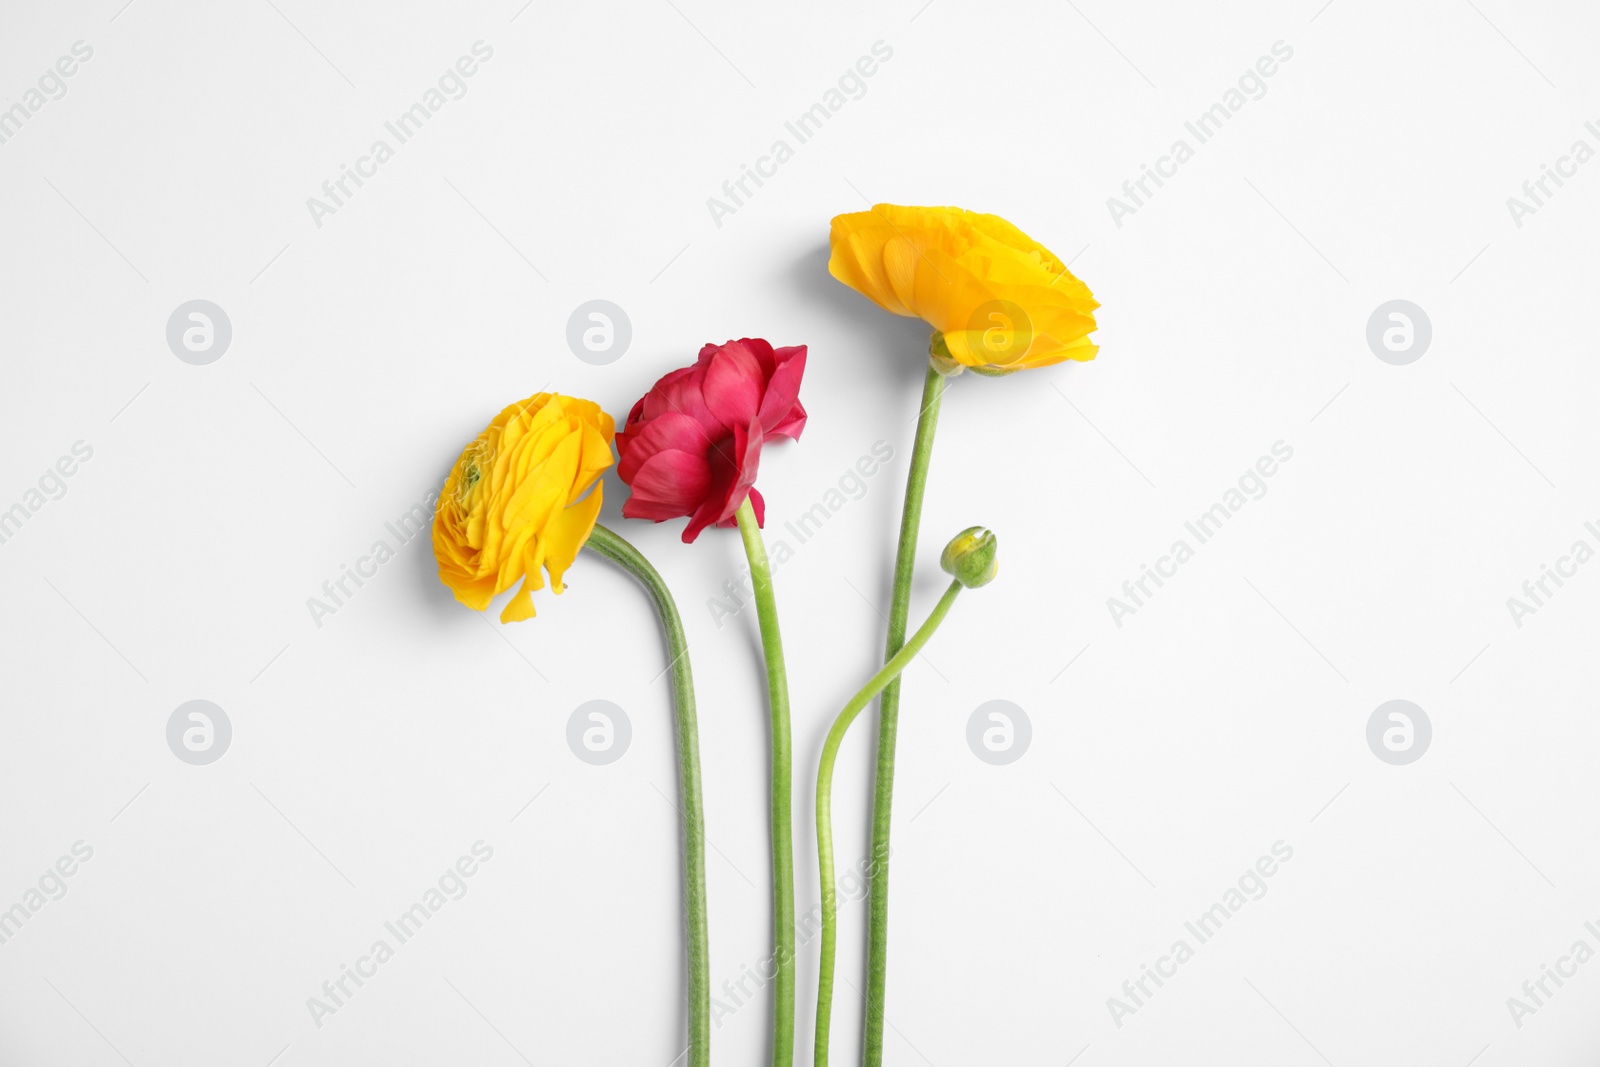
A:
514, 504
998, 300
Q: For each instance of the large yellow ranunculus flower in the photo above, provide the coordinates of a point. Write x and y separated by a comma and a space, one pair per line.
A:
514, 504
998, 300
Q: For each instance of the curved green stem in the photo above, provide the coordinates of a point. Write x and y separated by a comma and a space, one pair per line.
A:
620, 552
830, 753
889, 717
782, 790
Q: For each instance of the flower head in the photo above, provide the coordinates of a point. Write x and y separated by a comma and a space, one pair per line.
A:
514, 507
692, 444
969, 558
998, 300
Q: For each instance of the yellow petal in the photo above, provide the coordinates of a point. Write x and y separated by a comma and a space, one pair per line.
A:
519, 607
568, 532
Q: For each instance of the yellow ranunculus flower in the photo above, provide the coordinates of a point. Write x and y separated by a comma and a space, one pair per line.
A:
998, 300
514, 504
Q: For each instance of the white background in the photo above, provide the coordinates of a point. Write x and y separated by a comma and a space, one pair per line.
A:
1229, 713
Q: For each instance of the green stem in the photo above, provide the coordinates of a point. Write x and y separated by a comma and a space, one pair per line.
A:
889, 717
830, 753
620, 552
782, 790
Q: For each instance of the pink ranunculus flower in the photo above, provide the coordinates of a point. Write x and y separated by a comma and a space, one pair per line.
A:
692, 444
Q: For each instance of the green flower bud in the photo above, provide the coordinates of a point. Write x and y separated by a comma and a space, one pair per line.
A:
969, 558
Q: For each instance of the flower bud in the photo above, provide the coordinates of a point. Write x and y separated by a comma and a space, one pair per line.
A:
969, 558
